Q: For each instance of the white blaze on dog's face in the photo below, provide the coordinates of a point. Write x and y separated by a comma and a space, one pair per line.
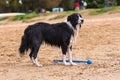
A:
80, 19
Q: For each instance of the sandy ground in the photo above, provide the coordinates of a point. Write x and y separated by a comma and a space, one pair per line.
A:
99, 40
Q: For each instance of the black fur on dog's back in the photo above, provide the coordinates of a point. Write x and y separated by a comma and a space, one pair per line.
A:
54, 34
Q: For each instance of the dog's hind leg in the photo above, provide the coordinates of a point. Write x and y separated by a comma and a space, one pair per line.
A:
34, 52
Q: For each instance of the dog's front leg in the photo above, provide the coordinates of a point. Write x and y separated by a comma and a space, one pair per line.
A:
64, 60
70, 56
64, 50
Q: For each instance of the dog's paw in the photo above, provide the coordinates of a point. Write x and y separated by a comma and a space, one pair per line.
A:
67, 64
38, 65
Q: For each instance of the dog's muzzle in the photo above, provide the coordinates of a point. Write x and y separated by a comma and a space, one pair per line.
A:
81, 21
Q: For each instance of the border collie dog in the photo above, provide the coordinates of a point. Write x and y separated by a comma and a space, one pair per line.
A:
62, 35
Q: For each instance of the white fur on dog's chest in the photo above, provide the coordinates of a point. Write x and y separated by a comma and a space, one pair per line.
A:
76, 32
73, 38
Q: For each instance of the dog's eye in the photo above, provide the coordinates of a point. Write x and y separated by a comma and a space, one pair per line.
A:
76, 18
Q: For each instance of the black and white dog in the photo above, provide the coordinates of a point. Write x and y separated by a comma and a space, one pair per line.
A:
62, 35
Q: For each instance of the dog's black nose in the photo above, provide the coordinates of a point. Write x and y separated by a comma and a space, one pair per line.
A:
82, 21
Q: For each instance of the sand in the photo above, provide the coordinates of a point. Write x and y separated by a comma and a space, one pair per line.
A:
99, 40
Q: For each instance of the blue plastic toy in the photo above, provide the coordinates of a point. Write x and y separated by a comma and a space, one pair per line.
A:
76, 61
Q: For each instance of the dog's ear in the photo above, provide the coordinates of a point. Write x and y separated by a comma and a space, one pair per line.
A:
72, 18
68, 18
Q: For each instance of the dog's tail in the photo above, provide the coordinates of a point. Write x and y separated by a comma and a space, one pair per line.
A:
24, 45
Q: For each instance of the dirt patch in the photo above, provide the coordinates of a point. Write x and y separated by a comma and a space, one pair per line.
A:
98, 40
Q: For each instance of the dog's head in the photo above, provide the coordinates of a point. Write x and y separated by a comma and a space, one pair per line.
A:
75, 19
